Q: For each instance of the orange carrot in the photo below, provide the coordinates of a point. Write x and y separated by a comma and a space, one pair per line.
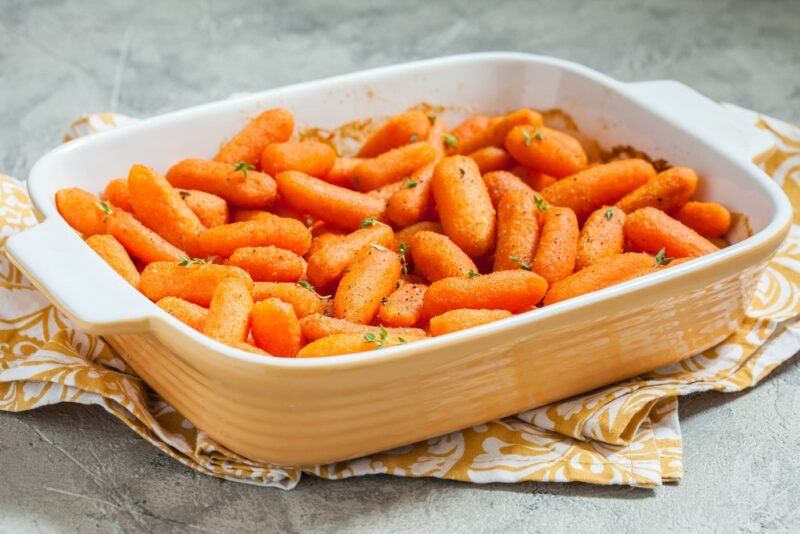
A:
667, 191
311, 157
327, 265
268, 264
558, 245
372, 276
546, 150
498, 183
141, 242
517, 230
404, 306
491, 158
271, 126
601, 236
650, 230
345, 344
114, 254
275, 328
321, 241
602, 185
516, 291
184, 311
341, 173
239, 215
465, 208
83, 211
392, 166
461, 319
194, 282
228, 319
210, 209
328, 202
436, 136
385, 192
471, 127
280, 232
116, 193
303, 299
240, 185
497, 130
402, 129
708, 219
317, 326
406, 235
414, 201
605, 273
437, 257
534, 179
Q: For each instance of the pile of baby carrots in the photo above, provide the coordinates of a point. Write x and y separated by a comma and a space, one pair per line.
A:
284, 248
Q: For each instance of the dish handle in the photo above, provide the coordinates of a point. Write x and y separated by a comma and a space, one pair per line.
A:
708, 119
80, 284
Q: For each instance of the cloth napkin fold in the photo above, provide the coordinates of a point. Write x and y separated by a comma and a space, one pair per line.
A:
627, 433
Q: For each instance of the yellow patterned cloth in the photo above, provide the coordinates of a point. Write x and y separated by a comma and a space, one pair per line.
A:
627, 433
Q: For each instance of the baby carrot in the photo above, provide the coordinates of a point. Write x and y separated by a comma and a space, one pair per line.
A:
83, 211
210, 209
114, 254
280, 232
184, 311
239, 184
414, 201
516, 291
275, 328
347, 344
321, 241
321, 200
311, 157
667, 191
558, 245
303, 298
498, 183
650, 230
605, 273
517, 230
472, 126
385, 192
534, 179
406, 235
117, 194
392, 166
601, 236
341, 173
404, 306
239, 215
465, 208
327, 265
408, 127
437, 257
546, 150
228, 319
497, 130
268, 264
602, 185
190, 281
372, 276
271, 126
708, 219
141, 242
160, 207
317, 326
491, 158
436, 137
461, 319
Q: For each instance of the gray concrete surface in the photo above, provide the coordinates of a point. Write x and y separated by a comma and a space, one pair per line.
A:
76, 469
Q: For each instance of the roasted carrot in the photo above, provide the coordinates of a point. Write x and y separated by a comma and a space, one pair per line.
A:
328, 202
471, 127
311, 157
392, 166
534, 179
406, 235
465, 208
408, 127
650, 230
347, 344
461, 319
558, 245
275, 328
184, 311
498, 183
404, 306
516, 291
327, 264
371, 276
601, 236
317, 326
667, 191
497, 130
384, 193
321, 241
228, 319
117, 194
280, 232
114, 254
194, 282
341, 173
436, 136
546, 150
83, 211
708, 219
414, 201
239, 184
210, 209
602, 185
437, 257
303, 298
605, 273
239, 215
268, 264
517, 230
491, 158
141, 242
272, 126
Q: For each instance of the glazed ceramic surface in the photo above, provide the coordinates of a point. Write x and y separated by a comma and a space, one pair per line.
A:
305, 411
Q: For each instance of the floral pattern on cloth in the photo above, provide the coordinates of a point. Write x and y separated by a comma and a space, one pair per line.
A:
627, 433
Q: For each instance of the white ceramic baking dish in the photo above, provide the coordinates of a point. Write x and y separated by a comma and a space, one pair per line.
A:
304, 411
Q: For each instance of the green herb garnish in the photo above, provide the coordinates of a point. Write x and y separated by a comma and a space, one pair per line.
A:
185, 261
372, 337
369, 221
609, 213
432, 119
472, 273
537, 135
244, 167
450, 141
661, 259
527, 137
104, 207
307, 285
522, 263
402, 255
411, 184
541, 205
